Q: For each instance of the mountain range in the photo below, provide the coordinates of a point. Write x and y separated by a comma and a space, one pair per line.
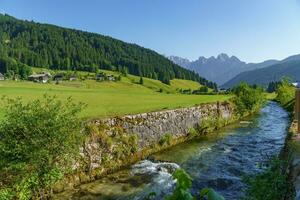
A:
219, 69
289, 67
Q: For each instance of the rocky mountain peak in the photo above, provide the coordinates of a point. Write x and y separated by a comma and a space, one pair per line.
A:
223, 57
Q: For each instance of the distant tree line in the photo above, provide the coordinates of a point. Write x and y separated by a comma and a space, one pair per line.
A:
272, 87
49, 46
201, 90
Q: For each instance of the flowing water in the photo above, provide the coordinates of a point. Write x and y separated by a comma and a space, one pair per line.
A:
218, 161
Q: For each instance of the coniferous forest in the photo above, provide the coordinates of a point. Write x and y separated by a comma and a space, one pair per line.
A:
27, 44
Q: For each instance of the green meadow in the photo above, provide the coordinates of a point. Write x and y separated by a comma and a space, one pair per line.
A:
104, 99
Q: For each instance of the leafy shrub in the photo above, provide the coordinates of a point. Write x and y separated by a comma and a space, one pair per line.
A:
6, 194
39, 141
247, 99
286, 94
210, 124
165, 139
207, 125
271, 184
183, 185
192, 133
210, 194
114, 147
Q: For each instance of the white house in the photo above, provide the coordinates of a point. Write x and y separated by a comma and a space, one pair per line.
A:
296, 84
41, 78
111, 78
1, 77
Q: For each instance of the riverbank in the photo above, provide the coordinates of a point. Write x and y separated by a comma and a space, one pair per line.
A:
115, 143
293, 146
218, 160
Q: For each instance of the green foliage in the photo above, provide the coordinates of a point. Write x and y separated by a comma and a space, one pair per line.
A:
41, 45
165, 139
247, 99
210, 194
14, 69
150, 196
204, 89
192, 133
206, 125
116, 146
6, 194
210, 124
39, 141
271, 184
183, 185
141, 81
286, 94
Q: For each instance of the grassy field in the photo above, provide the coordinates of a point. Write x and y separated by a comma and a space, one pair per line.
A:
105, 99
152, 84
270, 96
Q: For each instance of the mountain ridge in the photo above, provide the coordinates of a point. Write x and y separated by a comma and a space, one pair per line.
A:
221, 68
288, 67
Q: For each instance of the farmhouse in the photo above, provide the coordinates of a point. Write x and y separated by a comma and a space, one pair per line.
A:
100, 77
111, 78
1, 77
41, 78
222, 90
103, 77
72, 78
58, 77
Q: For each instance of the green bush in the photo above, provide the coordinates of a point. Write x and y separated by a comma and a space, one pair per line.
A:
271, 184
39, 141
210, 124
286, 94
114, 147
165, 139
192, 133
183, 185
247, 99
207, 125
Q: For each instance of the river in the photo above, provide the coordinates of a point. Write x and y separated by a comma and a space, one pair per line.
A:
219, 161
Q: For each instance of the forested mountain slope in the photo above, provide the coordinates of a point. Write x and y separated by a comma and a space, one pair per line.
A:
40, 45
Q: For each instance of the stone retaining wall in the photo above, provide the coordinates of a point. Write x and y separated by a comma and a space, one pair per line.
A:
150, 127
133, 135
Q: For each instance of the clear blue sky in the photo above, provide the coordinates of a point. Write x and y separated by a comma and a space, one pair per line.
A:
253, 30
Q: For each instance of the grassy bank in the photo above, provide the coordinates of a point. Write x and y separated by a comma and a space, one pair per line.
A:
275, 182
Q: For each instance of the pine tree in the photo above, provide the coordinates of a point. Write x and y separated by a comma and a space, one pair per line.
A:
141, 80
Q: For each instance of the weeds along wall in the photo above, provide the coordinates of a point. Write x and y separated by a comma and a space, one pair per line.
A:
119, 141
150, 127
